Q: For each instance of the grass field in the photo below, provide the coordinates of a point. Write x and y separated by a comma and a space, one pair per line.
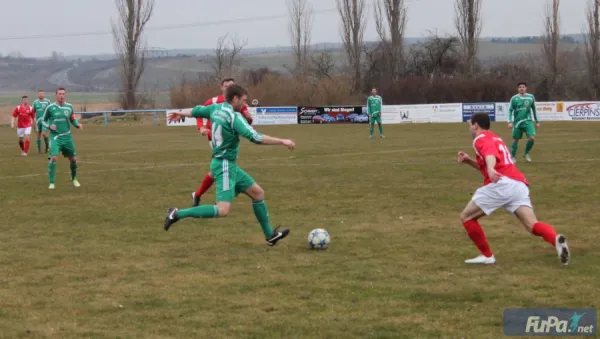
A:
94, 261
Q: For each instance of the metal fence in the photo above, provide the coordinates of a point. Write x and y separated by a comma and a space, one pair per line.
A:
107, 114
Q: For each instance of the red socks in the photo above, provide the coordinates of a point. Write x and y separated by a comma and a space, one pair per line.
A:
477, 235
27, 146
206, 184
545, 231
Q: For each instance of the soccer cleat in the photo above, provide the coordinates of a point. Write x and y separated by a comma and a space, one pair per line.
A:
195, 200
171, 218
276, 236
527, 157
382, 137
76, 183
370, 137
23, 154
514, 160
563, 249
482, 259
51, 187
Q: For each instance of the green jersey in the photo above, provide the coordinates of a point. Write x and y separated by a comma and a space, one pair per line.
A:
39, 106
521, 109
226, 128
60, 116
374, 104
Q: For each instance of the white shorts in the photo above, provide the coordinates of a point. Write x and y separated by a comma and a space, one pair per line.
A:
21, 132
210, 144
506, 193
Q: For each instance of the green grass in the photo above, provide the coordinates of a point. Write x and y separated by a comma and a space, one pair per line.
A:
94, 262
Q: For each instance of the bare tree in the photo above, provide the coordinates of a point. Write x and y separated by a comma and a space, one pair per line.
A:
436, 57
323, 65
226, 59
592, 46
468, 25
551, 41
130, 45
352, 13
390, 18
300, 26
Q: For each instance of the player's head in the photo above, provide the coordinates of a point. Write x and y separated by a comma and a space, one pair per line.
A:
236, 96
60, 95
478, 123
374, 91
522, 87
40, 94
226, 83
24, 99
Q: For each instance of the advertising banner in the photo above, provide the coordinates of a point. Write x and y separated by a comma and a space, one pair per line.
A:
582, 111
550, 111
182, 122
331, 114
274, 115
447, 113
471, 108
502, 111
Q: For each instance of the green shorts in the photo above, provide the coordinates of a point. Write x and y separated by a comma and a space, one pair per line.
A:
40, 126
526, 127
230, 179
375, 118
62, 145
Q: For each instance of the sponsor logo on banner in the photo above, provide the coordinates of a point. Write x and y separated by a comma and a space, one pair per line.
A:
582, 111
502, 111
394, 114
469, 109
447, 113
181, 122
275, 115
331, 114
550, 322
549, 111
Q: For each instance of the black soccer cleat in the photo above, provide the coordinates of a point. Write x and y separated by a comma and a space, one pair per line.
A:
171, 218
195, 200
272, 241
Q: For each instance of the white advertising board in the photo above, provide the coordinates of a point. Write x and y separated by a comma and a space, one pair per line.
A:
581, 111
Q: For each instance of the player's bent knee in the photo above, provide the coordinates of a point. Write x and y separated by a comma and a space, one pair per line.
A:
223, 210
53, 158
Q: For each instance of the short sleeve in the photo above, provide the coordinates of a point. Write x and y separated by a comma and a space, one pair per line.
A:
486, 146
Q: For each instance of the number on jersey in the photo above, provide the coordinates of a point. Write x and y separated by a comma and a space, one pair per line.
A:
217, 135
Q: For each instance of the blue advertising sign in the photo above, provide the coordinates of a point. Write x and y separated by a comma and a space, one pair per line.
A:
470, 109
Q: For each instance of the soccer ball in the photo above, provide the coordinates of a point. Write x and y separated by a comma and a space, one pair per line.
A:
318, 238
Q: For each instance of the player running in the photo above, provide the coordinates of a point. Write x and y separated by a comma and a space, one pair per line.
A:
39, 106
23, 115
205, 130
227, 126
504, 186
521, 115
58, 118
374, 104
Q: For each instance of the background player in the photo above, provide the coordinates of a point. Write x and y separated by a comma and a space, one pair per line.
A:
374, 104
227, 126
205, 130
504, 186
521, 114
23, 115
39, 106
58, 118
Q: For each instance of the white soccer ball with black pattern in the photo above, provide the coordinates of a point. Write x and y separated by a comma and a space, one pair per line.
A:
318, 239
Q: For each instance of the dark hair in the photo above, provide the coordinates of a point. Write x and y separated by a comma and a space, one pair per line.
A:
234, 91
482, 119
60, 89
24, 97
227, 80
522, 83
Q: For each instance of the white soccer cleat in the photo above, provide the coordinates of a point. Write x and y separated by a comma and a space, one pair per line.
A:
76, 183
23, 154
527, 157
382, 137
370, 137
482, 259
514, 160
51, 187
563, 249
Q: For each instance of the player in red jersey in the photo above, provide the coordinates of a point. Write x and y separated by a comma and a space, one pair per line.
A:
24, 116
205, 130
504, 186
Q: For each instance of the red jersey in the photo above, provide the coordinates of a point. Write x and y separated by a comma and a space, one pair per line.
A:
488, 143
25, 116
219, 100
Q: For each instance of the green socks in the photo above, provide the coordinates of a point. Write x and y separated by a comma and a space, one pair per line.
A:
46, 142
262, 215
39, 144
73, 170
371, 129
380, 130
513, 149
51, 171
202, 211
529, 146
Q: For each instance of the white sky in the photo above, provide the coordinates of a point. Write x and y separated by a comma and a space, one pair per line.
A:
26, 18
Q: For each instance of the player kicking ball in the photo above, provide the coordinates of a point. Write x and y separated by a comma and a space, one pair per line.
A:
58, 118
504, 186
226, 127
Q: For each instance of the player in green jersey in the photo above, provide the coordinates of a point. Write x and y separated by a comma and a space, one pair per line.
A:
521, 117
39, 106
58, 118
374, 104
227, 125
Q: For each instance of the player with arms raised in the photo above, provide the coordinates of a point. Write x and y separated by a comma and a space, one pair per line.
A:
39, 106
227, 125
205, 130
23, 115
504, 186
521, 115
58, 118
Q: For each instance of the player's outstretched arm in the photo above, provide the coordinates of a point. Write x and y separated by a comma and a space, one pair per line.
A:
466, 159
240, 125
